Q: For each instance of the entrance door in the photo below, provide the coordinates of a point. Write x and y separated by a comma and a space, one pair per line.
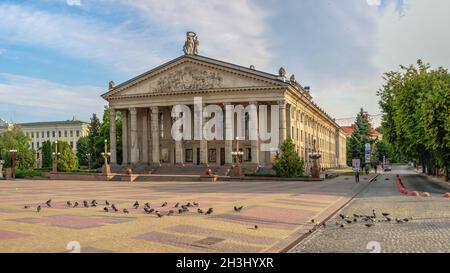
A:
222, 156
198, 156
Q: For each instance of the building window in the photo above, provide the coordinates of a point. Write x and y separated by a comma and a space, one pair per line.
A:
188, 155
53, 134
32, 145
32, 134
78, 133
248, 154
28, 134
71, 145
212, 155
37, 145
59, 133
71, 133
65, 133
42, 134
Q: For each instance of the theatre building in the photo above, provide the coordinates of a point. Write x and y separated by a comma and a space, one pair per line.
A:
146, 101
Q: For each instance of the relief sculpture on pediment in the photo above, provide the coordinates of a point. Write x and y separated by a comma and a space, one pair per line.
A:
189, 78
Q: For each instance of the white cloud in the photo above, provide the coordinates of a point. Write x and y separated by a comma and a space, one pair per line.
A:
73, 2
373, 2
421, 31
228, 30
44, 96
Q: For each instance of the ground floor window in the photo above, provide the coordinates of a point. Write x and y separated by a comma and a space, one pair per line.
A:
189, 157
212, 155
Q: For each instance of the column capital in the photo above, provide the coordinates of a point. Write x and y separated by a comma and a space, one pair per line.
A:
154, 109
282, 103
133, 110
253, 102
112, 111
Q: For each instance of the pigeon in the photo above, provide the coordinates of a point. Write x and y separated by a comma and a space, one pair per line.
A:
176, 205
94, 205
349, 221
324, 225
125, 211
75, 204
342, 225
107, 203
164, 204
238, 209
385, 214
85, 203
151, 210
388, 219
38, 209
147, 205
136, 205
49, 203
200, 211
310, 231
312, 221
406, 220
105, 209
159, 214
399, 221
180, 211
26, 207
94, 202
374, 214
342, 216
209, 211
195, 204
356, 215
369, 225
256, 226
114, 208
69, 204
147, 210
188, 204
355, 220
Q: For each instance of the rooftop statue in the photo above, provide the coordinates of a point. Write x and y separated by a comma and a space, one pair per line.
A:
192, 44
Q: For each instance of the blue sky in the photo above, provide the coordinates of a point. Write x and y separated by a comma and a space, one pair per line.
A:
57, 56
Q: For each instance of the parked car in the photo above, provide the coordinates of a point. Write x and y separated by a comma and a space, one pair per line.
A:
387, 168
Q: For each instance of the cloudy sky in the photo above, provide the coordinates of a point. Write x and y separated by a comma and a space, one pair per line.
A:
57, 56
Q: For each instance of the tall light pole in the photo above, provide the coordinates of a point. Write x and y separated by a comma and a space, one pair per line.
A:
237, 170
13, 154
55, 157
105, 154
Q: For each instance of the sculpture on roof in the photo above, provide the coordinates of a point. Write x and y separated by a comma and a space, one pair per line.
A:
111, 84
191, 44
282, 72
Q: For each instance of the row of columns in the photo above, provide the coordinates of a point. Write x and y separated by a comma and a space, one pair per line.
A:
131, 115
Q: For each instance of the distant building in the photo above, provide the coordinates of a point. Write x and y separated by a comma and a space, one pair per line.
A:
348, 130
38, 132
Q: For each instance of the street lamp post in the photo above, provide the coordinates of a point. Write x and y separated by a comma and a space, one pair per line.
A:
55, 158
237, 170
106, 168
13, 154
89, 160
314, 155
2, 162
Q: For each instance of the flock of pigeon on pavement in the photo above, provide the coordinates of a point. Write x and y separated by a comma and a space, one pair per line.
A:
368, 220
110, 207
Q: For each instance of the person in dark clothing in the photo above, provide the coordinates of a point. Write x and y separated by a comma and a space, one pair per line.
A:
357, 175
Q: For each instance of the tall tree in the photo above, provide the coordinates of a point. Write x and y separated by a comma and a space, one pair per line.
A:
47, 154
359, 137
15, 139
288, 163
83, 151
67, 160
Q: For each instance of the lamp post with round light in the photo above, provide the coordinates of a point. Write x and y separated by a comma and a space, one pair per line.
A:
237, 170
56, 155
314, 155
106, 168
13, 155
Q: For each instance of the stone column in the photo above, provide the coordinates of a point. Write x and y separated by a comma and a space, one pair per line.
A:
155, 135
144, 157
228, 142
124, 137
112, 135
179, 152
203, 142
134, 156
253, 127
283, 135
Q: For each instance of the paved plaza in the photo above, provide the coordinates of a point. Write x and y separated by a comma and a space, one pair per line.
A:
427, 229
281, 210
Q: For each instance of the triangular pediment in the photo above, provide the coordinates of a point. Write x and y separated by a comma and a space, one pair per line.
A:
193, 74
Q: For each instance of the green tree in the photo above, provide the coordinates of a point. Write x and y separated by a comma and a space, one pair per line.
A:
288, 163
359, 137
83, 150
67, 160
95, 141
15, 139
47, 154
416, 114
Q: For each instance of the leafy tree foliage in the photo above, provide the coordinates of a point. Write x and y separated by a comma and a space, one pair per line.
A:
67, 160
416, 114
83, 150
15, 139
288, 163
361, 135
47, 154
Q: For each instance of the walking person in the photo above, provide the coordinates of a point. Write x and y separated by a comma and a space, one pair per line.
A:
357, 174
